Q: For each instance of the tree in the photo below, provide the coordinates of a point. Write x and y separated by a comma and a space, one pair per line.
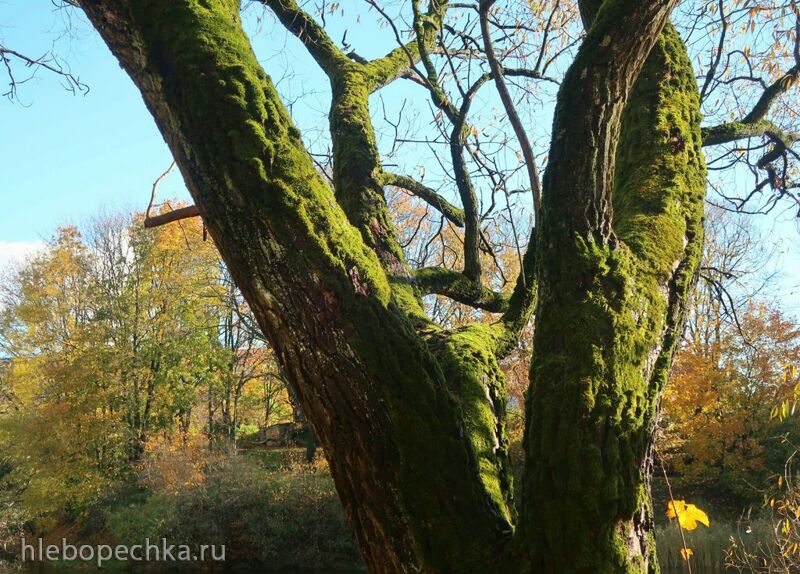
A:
720, 433
248, 379
412, 415
58, 401
720, 403
107, 334
152, 292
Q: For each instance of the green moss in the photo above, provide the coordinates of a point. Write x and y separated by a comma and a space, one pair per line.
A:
371, 386
406, 421
467, 358
357, 171
732, 131
458, 287
259, 139
607, 323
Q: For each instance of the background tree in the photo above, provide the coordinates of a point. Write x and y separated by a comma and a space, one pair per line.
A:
720, 438
721, 434
113, 338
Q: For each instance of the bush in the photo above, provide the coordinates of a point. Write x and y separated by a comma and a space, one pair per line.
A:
135, 522
289, 516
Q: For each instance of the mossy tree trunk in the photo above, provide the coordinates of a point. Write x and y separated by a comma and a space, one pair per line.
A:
412, 417
614, 272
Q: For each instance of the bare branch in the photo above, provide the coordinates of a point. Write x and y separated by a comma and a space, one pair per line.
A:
755, 123
313, 36
712, 70
508, 104
399, 61
47, 62
170, 216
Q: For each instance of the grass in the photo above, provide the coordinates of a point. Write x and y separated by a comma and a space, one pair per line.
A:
708, 545
269, 507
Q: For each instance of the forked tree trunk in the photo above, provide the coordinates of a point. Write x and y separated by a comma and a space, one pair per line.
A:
412, 417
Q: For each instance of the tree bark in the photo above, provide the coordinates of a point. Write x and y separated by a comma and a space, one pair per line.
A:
412, 417
399, 447
614, 272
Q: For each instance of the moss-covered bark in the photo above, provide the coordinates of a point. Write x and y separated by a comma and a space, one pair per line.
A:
469, 362
458, 287
413, 417
373, 390
357, 173
607, 323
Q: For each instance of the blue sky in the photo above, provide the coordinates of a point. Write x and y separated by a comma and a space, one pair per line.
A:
64, 157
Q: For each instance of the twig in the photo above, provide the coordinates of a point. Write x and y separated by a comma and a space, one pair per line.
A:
169, 216
675, 509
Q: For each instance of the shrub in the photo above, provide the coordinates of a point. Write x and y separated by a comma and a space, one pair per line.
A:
135, 522
289, 517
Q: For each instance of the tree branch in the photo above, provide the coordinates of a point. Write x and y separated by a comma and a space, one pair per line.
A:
764, 103
428, 195
170, 216
313, 36
732, 131
458, 287
403, 58
712, 70
522, 301
755, 123
48, 62
508, 104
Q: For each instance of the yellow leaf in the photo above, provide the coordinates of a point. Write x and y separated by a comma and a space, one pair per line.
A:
688, 515
686, 553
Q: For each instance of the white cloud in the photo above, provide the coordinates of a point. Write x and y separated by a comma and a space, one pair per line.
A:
14, 252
